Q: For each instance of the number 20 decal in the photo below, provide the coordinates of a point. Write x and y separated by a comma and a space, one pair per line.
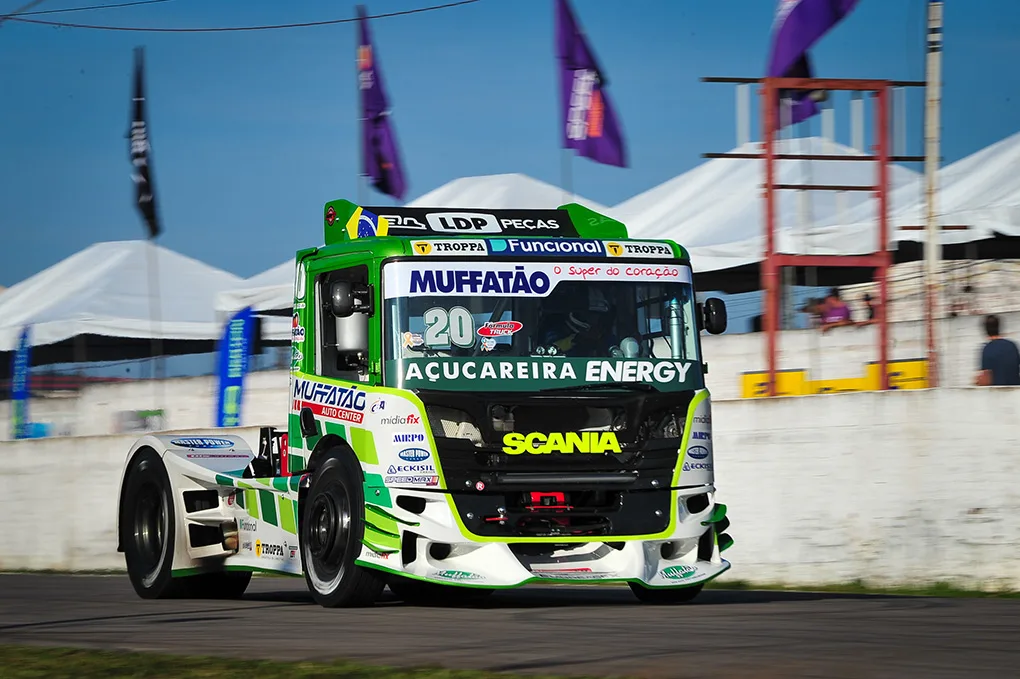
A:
443, 327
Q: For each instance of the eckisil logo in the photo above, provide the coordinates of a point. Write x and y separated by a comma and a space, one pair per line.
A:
593, 442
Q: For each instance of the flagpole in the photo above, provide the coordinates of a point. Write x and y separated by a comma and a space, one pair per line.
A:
360, 117
932, 245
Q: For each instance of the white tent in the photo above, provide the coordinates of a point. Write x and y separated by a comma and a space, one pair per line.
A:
271, 290
104, 291
502, 191
717, 209
981, 191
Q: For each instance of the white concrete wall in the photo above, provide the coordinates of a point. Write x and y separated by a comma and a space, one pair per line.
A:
842, 352
891, 488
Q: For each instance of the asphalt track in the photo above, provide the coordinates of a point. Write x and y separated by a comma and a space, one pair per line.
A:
562, 630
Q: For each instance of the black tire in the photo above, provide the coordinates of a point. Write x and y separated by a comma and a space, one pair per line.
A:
417, 592
666, 596
332, 526
148, 527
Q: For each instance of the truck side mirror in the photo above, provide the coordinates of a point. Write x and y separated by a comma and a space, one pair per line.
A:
715, 316
341, 299
347, 298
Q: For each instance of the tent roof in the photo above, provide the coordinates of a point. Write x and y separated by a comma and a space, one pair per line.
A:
270, 291
502, 191
103, 292
720, 204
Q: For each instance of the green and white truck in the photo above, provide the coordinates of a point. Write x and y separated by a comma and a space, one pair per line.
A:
480, 399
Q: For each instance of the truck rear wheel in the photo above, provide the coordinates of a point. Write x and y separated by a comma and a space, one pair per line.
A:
679, 595
332, 526
148, 534
147, 527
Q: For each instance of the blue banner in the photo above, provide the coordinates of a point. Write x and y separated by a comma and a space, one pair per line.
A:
19, 387
233, 366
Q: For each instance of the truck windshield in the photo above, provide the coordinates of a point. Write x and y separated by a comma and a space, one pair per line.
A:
507, 326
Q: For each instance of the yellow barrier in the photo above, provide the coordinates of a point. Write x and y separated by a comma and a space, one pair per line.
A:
903, 374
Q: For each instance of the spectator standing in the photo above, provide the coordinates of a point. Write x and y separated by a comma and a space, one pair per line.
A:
1000, 358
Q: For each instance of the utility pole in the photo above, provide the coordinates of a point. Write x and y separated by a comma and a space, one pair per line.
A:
932, 128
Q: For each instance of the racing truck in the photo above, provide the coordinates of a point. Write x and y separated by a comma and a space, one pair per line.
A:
479, 400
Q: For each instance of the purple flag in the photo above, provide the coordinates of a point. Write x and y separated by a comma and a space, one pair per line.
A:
380, 159
590, 126
798, 26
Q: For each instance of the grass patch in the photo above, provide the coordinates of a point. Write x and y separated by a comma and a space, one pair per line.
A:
35, 662
939, 589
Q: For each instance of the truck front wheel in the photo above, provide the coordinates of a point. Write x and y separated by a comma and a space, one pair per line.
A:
332, 526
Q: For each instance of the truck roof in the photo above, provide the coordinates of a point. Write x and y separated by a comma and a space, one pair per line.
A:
571, 229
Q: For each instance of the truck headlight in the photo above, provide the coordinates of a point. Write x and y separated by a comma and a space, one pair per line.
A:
453, 423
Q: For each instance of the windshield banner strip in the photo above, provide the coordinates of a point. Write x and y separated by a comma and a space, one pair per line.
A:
502, 279
542, 247
534, 374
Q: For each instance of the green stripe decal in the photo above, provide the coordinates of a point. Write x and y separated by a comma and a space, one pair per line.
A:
376, 491
718, 514
377, 548
296, 462
295, 482
379, 511
281, 483
364, 445
251, 500
725, 542
224, 481
287, 521
294, 432
268, 501
336, 429
239, 499
384, 540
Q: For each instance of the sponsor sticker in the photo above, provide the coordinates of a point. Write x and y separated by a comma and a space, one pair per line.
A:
679, 572
411, 340
593, 442
413, 480
546, 247
377, 405
411, 469
500, 328
268, 550
701, 435
449, 247
202, 442
500, 279
400, 419
698, 467
488, 343
588, 371
331, 401
297, 331
457, 575
697, 452
415, 437
639, 250
413, 454
570, 574
247, 525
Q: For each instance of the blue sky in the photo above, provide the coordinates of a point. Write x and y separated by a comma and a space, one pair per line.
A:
253, 132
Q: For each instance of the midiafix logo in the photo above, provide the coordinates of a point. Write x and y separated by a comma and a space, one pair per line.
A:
330, 400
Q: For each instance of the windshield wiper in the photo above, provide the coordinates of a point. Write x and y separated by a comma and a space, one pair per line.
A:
628, 386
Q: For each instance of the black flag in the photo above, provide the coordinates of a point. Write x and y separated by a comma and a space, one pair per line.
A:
140, 149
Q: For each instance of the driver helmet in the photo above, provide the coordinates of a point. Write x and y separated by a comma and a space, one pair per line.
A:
594, 314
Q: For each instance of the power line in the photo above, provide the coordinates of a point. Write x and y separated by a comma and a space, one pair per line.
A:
306, 24
20, 10
91, 8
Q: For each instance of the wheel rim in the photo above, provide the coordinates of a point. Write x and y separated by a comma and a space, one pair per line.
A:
326, 541
150, 531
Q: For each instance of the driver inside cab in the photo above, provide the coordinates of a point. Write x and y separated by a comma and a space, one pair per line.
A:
586, 330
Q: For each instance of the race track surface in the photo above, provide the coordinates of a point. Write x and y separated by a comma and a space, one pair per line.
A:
561, 630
